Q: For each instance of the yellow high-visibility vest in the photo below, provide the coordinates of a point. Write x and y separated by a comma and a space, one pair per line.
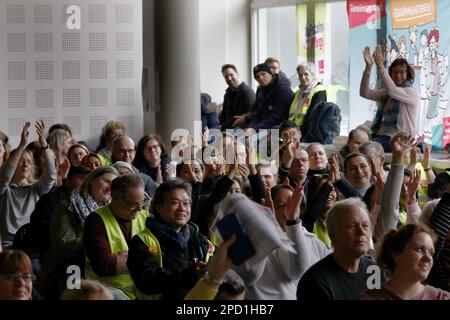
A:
297, 114
117, 244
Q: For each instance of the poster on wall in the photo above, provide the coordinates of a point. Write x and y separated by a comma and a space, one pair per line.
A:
367, 23
311, 34
418, 31
78, 63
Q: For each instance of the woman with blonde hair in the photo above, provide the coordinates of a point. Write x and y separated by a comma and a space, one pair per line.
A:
111, 131
66, 228
19, 192
4, 153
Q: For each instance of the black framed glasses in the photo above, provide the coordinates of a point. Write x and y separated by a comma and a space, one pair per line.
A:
138, 205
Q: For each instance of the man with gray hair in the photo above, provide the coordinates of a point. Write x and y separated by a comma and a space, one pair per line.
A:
109, 229
342, 275
309, 94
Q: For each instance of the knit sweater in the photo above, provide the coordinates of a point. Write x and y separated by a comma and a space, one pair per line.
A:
17, 202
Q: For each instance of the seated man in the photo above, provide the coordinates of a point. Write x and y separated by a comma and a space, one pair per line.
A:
109, 229
238, 97
273, 98
342, 275
356, 138
169, 256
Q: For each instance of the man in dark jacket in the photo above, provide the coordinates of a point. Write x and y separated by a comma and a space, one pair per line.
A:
238, 97
169, 266
273, 98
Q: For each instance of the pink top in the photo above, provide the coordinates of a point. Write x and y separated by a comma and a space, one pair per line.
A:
429, 293
408, 97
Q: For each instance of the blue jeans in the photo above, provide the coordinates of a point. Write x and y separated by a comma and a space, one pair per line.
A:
384, 141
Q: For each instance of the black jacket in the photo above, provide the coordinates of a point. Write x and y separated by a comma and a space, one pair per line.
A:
236, 102
178, 274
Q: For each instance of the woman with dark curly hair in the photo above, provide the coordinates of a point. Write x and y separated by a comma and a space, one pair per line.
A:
398, 100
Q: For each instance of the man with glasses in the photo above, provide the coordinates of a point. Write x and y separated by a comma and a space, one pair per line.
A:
170, 255
109, 229
124, 149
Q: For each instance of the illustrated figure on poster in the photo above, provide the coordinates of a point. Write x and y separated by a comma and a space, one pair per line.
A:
392, 52
413, 52
437, 76
402, 52
422, 63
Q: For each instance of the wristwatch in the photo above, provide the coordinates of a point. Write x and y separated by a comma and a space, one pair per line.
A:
292, 222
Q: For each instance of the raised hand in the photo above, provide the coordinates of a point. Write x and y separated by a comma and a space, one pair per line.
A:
159, 177
244, 170
288, 155
373, 167
401, 144
379, 186
171, 170
413, 186
191, 174
40, 130
249, 161
25, 135
335, 174
233, 168
426, 156
205, 137
368, 56
292, 208
379, 57
268, 202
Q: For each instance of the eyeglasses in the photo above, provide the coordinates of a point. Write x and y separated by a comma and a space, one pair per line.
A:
27, 162
12, 277
137, 205
154, 147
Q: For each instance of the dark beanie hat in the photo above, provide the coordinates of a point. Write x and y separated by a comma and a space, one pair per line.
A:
261, 67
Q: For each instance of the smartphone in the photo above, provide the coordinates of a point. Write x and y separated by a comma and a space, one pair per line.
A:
242, 249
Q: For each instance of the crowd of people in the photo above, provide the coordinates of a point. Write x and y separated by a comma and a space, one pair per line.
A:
125, 222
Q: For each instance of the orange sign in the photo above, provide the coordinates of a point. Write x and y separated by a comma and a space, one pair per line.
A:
412, 12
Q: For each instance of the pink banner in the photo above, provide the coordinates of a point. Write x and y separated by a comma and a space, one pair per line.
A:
361, 12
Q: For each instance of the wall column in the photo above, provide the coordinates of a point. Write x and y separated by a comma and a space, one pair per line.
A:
177, 65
